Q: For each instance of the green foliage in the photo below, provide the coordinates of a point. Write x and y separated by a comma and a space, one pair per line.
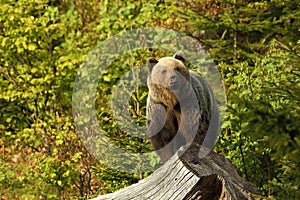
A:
256, 46
262, 134
37, 72
114, 179
42, 44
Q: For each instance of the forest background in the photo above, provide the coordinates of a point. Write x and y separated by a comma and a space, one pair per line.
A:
255, 45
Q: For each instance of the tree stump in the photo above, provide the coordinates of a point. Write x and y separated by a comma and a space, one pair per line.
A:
189, 177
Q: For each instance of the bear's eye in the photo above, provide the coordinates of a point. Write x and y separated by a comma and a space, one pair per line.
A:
176, 69
164, 71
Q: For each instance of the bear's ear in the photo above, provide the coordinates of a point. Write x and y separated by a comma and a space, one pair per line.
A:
151, 62
179, 55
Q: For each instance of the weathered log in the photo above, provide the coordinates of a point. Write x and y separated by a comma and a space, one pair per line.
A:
189, 177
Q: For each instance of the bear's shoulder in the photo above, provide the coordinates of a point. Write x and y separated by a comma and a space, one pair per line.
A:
202, 89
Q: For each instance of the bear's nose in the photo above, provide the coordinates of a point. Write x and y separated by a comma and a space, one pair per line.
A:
173, 78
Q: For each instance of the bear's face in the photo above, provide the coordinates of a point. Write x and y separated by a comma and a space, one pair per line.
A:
168, 72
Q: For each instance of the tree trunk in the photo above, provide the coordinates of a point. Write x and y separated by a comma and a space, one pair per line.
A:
190, 178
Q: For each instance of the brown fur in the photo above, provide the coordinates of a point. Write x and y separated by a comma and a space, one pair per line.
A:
179, 105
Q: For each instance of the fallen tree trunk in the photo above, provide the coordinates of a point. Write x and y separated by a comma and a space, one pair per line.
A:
189, 177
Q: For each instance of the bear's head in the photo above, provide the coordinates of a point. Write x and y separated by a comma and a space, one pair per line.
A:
168, 73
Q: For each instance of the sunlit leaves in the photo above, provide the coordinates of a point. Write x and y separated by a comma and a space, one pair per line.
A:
262, 111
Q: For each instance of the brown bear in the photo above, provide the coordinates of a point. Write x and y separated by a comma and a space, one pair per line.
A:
180, 106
